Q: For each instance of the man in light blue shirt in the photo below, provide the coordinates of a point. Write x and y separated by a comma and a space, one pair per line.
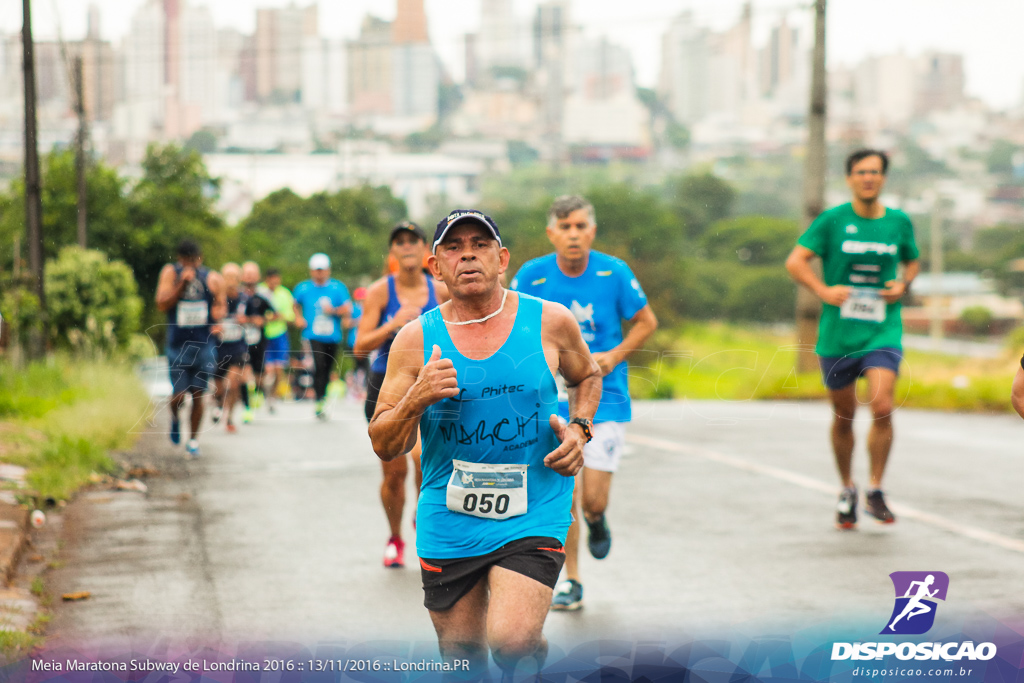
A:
600, 291
322, 308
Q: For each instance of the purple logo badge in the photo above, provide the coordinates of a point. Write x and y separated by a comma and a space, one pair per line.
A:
916, 593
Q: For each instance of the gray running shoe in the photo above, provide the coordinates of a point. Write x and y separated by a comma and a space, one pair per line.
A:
568, 596
846, 509
599, 539
874, 505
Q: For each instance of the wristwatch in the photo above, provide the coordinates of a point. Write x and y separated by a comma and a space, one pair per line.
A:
586, 425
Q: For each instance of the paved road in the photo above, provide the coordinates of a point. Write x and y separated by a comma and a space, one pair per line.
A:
722, 518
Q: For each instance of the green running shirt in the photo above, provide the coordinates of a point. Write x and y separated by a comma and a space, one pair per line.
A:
863, 253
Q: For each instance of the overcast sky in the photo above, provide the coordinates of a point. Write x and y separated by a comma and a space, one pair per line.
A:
986, 32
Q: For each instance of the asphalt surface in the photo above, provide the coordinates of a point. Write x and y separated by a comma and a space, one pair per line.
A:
722, 518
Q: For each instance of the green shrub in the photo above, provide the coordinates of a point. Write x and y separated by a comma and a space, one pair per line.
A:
978, 318
93, 302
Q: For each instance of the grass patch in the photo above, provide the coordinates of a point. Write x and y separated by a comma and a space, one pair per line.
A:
718, 361
65, 417
16, 645
39, 624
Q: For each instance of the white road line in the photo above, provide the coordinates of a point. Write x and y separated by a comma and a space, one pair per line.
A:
965, 530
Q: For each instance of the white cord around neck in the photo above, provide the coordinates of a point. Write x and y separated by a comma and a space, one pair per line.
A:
486, 317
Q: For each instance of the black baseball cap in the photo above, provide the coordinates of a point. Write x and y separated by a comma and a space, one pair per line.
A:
462, 216
407, 226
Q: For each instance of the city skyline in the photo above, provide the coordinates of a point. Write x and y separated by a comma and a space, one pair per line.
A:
993, 62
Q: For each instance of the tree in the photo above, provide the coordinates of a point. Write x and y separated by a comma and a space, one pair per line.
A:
202, 141
93, 302
762, 294
700, 200
351, 226
107, 211
172, 201
752, 240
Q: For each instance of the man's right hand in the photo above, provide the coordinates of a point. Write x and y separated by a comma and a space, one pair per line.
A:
405, 315
835, 295
436, 381
300, 322
188, 274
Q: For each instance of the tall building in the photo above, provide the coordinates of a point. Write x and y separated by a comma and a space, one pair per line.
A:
414, 67
884, 89
685, 69
602, 70
779, 59
144, 58
278, 42
553, 36
940, 82
502, 38
602, 117
416, 75
99, 73
323, 75
410, 25
732, 81
199, 92
369, 68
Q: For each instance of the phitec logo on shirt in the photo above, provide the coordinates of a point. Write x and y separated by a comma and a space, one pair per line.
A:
916, 603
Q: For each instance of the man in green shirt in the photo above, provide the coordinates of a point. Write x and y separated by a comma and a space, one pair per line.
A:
276, 332
861, 245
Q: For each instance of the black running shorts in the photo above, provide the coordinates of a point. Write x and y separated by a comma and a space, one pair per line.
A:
446, 581
373, 383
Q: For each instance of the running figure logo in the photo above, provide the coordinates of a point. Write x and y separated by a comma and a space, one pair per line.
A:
916, 593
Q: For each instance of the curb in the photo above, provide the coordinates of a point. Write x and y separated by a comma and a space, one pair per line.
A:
14, 520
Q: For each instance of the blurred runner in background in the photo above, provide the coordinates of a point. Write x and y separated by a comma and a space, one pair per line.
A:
601, 292
862, 245
391, 303
322, 309
193, 298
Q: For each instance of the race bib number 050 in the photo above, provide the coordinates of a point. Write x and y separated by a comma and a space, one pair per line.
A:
488, 491
864, 303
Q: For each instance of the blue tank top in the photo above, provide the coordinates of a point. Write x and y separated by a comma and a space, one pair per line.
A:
189, 320
380, 363
500, 417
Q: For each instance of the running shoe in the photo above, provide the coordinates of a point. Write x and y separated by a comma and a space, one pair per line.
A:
568, 596
247, 416
874, 505
846, 509
230, 428
257, 398
599, 539
192, 448
394, 553
216, 413
175, 432
321, 414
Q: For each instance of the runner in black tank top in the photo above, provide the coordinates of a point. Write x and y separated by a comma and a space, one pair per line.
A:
193, 299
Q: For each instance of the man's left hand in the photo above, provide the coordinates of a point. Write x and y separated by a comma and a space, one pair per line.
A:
894, 291
567, 459
607, 360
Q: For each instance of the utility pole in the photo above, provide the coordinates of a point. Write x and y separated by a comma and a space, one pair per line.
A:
808, 306
80, 152
33, 186
936, 271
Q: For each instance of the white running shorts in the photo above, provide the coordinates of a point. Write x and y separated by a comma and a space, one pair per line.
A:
605, 450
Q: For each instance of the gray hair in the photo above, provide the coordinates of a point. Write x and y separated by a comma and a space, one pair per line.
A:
566, 204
